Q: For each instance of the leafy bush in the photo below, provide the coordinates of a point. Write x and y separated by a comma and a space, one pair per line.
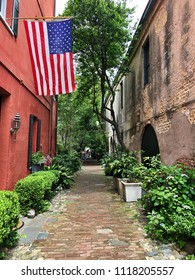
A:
38, 158
53, 176
9, 218
190, 257
106, 162
169, 202
169, 199
68, 159
66, 163
119, 164
34, 190
66, 177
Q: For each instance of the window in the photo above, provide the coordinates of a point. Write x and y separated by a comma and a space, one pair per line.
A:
34, 137
3, 7
146, 51
10, 9
122, 94
15, 16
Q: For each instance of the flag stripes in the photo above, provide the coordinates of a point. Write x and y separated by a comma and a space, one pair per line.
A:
53, 73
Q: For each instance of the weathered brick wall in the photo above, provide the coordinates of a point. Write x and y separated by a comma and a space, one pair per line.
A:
167, 102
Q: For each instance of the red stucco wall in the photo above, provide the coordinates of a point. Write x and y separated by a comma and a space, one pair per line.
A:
18, 96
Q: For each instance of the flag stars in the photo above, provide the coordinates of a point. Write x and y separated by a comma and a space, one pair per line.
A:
60, 36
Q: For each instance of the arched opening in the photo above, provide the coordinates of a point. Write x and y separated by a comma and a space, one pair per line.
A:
149, 144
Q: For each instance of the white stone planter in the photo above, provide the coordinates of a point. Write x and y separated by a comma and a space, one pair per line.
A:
120, 187
131, 191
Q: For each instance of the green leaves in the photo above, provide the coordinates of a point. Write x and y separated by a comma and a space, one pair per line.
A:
119, 164
9, 217
77, 123
101, 34
34, 190
169, 198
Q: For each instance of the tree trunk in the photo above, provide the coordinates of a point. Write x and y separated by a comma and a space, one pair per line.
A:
105, 81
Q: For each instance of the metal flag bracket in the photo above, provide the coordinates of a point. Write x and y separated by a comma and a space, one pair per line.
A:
39, 18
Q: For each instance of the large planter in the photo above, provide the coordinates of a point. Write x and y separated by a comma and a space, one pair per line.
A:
131, 191
120, 186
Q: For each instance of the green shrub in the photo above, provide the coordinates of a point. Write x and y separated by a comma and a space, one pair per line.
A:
67, 163
52, 180
34, 191
107, 161
66, 177
169, 202
119, 164
9, 218
38, 158
190, 257
68, 159
169, 194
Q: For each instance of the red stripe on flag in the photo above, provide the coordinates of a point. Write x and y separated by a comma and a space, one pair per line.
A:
31, 56
37, 57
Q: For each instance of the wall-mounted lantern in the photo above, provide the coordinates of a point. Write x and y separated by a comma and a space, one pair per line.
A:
15, 125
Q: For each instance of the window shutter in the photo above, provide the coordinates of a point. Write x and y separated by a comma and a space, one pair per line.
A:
38, 135
15, 15
30, 139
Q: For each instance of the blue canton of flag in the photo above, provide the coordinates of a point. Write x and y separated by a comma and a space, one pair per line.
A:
60, 36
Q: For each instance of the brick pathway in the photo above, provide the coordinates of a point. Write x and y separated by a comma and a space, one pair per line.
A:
92, 223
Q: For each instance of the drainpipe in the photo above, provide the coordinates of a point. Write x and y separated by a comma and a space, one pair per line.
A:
50, 126
54, 8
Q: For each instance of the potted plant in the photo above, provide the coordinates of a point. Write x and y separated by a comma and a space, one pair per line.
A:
132, 187
37, 162
116, 168
127, 162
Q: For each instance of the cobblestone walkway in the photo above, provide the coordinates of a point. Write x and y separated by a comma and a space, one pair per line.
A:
91, 222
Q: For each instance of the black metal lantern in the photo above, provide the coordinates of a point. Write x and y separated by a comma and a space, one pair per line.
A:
15, 125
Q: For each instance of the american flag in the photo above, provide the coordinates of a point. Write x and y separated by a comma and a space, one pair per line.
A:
50, 47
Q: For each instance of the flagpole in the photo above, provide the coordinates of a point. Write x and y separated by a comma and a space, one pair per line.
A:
37, 18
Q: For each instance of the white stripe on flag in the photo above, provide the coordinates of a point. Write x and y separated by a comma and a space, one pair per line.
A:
48, 59
68, 67
62, 76
56, 73
40, 56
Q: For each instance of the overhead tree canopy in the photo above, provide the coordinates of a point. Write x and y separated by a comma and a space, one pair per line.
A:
101, 35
